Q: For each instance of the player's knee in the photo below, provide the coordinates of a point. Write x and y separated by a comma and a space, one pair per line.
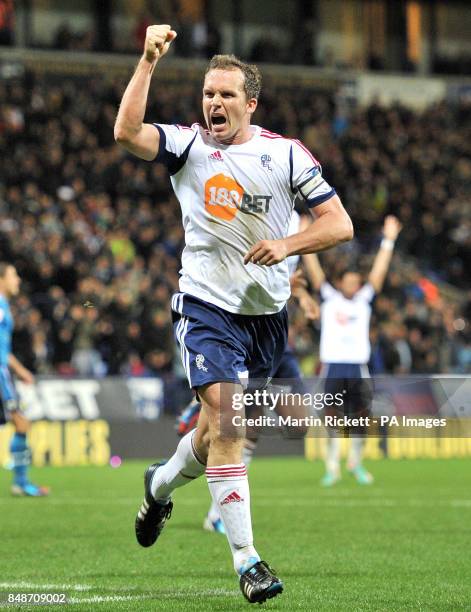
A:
25, 427
21, 423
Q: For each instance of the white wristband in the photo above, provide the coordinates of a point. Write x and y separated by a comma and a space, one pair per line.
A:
387, 244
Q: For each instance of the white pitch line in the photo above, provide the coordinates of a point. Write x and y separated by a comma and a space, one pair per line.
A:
40, 587
157, 595
45, 586
107, 598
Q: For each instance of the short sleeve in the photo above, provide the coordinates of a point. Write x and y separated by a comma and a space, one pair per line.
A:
174, 145
306, 176
366, 293
327, 291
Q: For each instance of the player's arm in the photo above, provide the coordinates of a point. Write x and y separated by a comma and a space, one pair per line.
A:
307, 303
130, 131
391, 229
19, 369
314, 270
312, 265
331, 227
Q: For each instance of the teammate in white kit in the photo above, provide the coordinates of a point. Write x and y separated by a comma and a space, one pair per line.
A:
236, 184
345, 345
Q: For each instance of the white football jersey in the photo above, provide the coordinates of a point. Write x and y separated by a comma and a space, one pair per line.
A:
231, 197
345, 325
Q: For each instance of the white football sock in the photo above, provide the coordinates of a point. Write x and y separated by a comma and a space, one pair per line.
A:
356, 452
229, 489
247, 454
332, 459
183, 467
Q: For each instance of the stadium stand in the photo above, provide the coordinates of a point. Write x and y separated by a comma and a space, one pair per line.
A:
96, 236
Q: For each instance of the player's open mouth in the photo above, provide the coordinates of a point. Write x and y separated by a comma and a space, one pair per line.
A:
218, 120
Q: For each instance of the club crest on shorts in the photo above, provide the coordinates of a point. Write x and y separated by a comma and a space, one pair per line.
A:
199, 360
266, 159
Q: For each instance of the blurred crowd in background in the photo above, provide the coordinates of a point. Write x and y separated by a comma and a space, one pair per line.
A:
359, 34
96, 234
196, 37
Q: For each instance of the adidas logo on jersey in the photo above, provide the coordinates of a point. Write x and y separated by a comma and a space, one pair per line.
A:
232, 497
216, 155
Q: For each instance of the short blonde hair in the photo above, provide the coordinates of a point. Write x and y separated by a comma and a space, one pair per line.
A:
252, 76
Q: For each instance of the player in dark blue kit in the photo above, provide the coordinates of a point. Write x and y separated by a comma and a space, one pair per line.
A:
10, 405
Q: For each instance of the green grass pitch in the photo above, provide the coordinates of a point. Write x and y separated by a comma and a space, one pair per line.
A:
402, 544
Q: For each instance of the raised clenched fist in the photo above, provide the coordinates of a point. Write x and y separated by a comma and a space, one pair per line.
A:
158, 39
391, 228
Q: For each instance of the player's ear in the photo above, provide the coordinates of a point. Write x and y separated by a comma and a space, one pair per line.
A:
252, 105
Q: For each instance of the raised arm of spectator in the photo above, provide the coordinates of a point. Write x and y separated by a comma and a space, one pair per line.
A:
312, 266
307, 303
130, 131
391, 229
314, 271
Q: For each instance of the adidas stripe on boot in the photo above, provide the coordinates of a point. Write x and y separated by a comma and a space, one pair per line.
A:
150, 519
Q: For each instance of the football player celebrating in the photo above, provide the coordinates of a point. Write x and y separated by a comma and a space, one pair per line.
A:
345, 345
236, 185
287, 373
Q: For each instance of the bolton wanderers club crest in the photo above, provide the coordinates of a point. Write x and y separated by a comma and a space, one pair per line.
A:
266, 159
